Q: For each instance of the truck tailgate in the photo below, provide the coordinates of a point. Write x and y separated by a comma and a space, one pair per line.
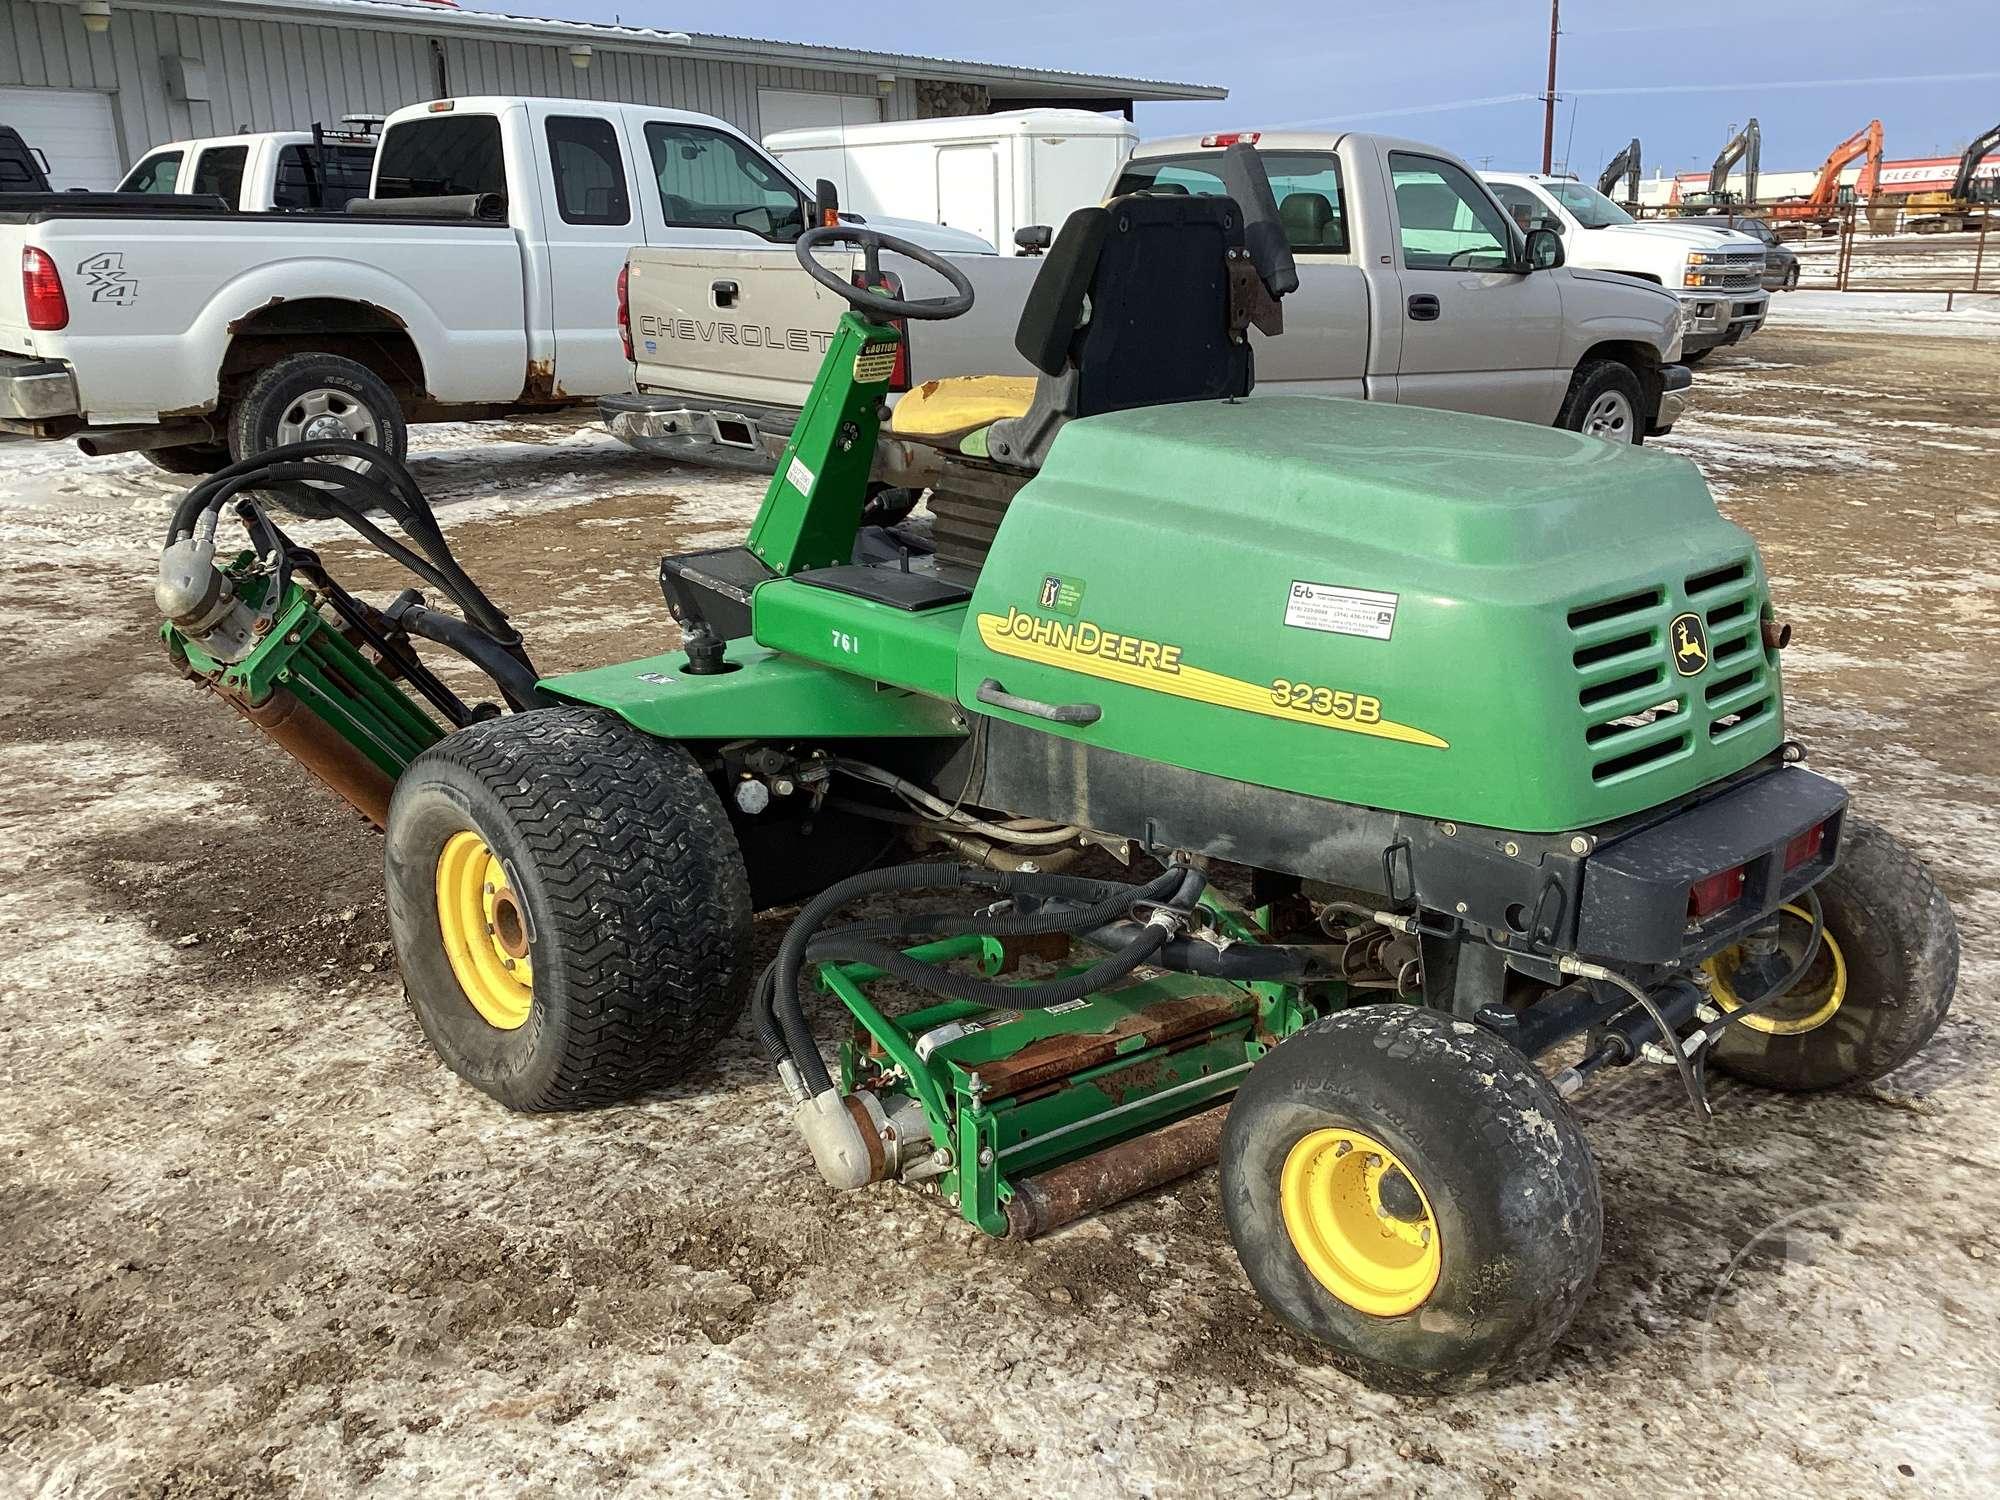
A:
764, 347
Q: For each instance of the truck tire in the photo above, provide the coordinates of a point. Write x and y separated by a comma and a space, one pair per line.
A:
192, 459
1409, 1190
1605, 401
1878, 989
304, 397
568, 906
1696, 356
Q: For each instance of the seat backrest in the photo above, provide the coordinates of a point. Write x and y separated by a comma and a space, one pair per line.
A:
1305, 217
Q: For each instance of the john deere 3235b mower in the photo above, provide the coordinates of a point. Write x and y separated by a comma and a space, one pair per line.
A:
1433, 744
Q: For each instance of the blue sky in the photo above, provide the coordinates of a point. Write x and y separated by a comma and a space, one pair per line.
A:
1677, 73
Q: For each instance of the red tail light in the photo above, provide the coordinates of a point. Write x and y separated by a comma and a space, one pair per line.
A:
625, 310
890, 282
1234, 138
1804, 849
48, 308
1714, 894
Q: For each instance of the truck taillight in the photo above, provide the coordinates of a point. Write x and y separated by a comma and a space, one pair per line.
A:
1234, 138
42, 289
1715, 893
890, 282
625, 310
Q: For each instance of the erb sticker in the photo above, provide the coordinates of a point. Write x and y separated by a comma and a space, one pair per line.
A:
875, 363
1340, 611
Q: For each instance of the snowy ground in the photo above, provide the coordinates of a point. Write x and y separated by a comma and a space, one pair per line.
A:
253, 1240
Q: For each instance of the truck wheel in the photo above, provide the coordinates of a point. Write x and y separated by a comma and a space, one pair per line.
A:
1605, 401
1696, 356
314, 397
1410, 1190
1877, 990
193, 458
1792, 278
568, 906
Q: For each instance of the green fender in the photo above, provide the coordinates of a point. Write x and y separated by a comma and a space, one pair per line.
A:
767, 696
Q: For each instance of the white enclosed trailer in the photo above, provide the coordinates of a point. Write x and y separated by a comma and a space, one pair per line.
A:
988, 174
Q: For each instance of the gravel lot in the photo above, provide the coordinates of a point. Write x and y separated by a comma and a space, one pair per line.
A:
253, 1240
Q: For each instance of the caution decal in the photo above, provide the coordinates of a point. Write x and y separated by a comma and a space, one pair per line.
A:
1159, 667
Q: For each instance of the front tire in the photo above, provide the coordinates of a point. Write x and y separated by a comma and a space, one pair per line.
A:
568, 906
1605, 401
1876, 992
312, 397
1410, 1191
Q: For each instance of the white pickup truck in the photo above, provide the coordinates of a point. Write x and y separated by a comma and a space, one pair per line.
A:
1717, 273
1416, 286
480, 277
283, 170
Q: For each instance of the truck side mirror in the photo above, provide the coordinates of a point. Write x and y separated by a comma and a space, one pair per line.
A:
1545, 249
826, 204
1033, 239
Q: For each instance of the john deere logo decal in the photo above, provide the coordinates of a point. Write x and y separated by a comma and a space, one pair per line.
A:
1690, 644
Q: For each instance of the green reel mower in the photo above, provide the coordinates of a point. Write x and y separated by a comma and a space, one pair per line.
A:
1419, 746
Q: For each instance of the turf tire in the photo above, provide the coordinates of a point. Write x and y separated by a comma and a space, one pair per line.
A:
1512, 1187
638, 909
1900, 943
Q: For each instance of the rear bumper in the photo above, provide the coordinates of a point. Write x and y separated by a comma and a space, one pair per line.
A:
1634, 905
703, 430
35, 392
694, 430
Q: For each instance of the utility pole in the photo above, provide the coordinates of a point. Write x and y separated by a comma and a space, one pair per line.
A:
1549, 98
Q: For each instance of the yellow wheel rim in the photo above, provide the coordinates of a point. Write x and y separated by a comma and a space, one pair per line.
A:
1813, 1000
1379, 1256
485, 932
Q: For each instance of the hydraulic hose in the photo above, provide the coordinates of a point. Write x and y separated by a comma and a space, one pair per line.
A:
779, 1013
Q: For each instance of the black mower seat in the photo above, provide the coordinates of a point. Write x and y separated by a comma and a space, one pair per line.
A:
1132, 307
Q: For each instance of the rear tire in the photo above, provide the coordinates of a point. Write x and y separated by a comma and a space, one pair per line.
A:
308, 396
192, 459
1878, 990
611, 880
1696, 356
1494, 1169
1605, 401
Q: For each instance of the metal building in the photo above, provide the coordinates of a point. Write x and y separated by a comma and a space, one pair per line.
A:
94, 83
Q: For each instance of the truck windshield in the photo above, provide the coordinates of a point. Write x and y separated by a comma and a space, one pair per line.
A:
1305, 183
441, 156
1592, 209
710, 179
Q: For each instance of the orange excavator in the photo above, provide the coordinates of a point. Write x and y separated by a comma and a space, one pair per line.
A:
1817, 209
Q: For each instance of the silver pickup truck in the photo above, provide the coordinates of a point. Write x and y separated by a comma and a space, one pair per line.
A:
1416, 286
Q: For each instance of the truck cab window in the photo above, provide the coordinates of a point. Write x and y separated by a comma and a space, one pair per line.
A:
1445, 222
589, 177
714, 181
219, 170
322, 178
441, 156
1306, 185
156, 174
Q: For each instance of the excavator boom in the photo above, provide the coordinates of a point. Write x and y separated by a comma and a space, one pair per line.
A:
1865, 141
1745, 146
1968, 164
1626, 165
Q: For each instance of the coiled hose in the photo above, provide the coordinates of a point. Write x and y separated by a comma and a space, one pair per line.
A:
778, 1011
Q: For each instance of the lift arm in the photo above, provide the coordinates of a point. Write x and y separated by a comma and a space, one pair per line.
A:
1968, 164
1864, 142
1745, 146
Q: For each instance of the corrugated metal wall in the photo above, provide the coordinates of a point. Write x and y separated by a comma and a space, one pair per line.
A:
276, 76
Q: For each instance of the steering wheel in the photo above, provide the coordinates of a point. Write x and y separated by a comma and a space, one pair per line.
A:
877, 304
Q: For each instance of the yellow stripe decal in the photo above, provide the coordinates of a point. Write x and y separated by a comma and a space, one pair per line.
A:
1160, 670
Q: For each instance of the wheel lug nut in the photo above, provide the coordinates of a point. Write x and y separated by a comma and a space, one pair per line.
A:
1425, 1237
1374, 1160
1343, 1148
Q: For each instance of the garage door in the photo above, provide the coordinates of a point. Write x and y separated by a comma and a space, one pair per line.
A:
73, 128
795, 109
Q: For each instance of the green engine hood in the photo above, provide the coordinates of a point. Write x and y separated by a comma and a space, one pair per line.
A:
1447, 615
